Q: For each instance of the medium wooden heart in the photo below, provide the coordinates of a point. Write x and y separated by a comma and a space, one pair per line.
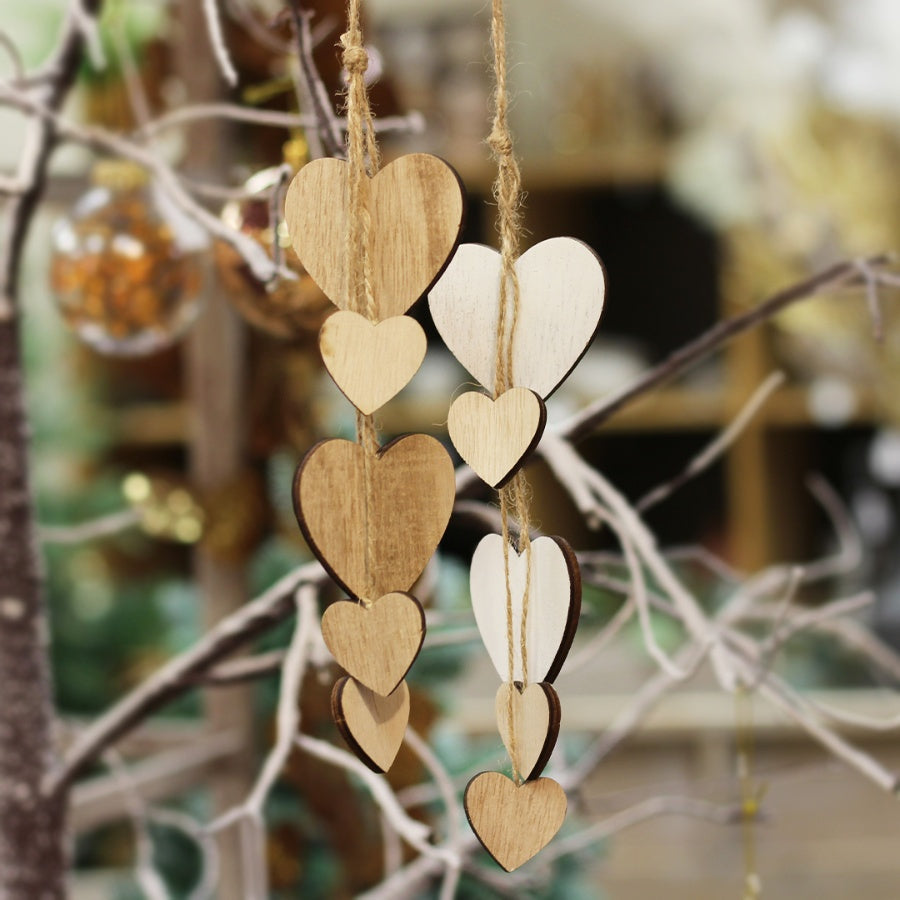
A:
371, 362
561, 291
535, 725
373, 726
514, 822
376, 644
415, 205
413, 487
495, 436
554, 604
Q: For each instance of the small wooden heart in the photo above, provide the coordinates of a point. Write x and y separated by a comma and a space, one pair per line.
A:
495, 436
554, 604
561, 292
535, 725
376, 644
373, 726
412, 493
371, 363
514, 822
415, 206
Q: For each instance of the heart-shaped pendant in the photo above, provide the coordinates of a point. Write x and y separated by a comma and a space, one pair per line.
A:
376, 644
514, 822
496, 436
554, 604
412, 491
415, 208
528, 722
371, 363
561, 293
373, 726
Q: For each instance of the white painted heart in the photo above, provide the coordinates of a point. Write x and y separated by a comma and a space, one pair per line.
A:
561, 292
554, 604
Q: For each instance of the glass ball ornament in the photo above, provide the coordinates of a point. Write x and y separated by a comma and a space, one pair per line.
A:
125, 270
293, 309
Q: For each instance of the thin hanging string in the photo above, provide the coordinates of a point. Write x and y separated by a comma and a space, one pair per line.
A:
515, 496
364, 160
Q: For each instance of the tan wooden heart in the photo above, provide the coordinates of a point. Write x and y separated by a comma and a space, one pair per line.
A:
376, 644
535, 725
413, 488
373, 726
514, 822
415, 206
554, 604
495, 436
561, 292
371, 362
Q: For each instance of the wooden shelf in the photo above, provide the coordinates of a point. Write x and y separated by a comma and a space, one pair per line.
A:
616, 165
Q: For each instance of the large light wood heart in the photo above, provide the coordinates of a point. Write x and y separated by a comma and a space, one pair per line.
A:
514, 822
561, 291
415, 205
376, 644
535, 725
412, 492
554, 604
373, 726
371, 362
495, 436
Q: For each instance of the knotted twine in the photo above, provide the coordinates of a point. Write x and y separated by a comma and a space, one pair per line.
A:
363, 161
515, 496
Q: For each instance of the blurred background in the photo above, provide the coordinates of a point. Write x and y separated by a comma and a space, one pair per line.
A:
711, 153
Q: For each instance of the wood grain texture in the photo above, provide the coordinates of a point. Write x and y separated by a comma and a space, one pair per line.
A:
553, 607
376, 644
535, 724
496, 436
514, 822
413, 490
373, 726
416, 209
561, 292
371, 362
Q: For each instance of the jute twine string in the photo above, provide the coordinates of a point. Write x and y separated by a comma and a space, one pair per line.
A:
514, 497
363, 161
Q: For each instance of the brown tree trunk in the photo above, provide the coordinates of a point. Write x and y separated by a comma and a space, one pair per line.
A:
32, 824
32, 857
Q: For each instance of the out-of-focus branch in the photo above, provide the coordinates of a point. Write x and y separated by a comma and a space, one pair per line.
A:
235, 630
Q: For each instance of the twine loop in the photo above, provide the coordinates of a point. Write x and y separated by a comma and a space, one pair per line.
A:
500, 142
354, 58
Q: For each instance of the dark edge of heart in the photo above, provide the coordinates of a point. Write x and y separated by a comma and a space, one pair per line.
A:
463, 217
337, 713
301, 521
574, 608
472, 824
539, 433
590, 340
552, 731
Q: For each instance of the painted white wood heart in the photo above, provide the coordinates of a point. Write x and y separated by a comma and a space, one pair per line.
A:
554, 604
561, 291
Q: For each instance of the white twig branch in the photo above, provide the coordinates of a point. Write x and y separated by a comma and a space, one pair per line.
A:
414, 833
104, 526
716, 449
217, 40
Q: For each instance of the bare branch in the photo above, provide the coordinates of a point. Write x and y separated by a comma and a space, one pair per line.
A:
717, 448
235, 630
104, 526
217, 40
